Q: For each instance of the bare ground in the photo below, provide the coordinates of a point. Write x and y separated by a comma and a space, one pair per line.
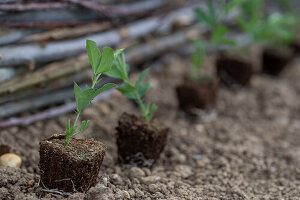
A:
250, 151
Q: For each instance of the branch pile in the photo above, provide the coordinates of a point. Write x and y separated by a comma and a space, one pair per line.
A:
46, 61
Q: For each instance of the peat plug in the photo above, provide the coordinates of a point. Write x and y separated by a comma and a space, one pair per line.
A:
140, 140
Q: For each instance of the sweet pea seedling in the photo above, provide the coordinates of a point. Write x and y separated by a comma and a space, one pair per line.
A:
213, 19
132, 91
275, 29
101, 62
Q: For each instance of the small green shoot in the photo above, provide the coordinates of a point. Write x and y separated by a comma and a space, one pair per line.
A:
101, 63
135, 91
213, 19
198, 57
276, 29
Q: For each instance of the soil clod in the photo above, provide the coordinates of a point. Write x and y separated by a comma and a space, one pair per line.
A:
139, 142
72, 168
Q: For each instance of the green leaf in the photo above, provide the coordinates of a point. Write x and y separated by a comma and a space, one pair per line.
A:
142, 76
218, 33
84, 125
231, 5
100, 79
114, 72
69, 132
83, 97
104, 87
107, 59
77, 92
128, 90
143, 88
93, 53
150, 110
201, 16
212, 13
127, 68
118, 52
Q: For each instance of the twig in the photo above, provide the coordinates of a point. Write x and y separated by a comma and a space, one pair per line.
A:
136, 9
67, 33
47, 88
45, 24
31, 6
52, 72
14, 55
50, 113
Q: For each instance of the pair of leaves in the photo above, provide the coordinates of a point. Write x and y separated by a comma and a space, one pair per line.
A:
71, 131
119, 69
149, 111
199, 54
100, 62
207, 17
218, 36
84, 97
211, 17
139, 88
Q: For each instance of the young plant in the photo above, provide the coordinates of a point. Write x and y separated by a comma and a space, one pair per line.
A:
276, 29
132, 91
213, 19
101, 62
198, 57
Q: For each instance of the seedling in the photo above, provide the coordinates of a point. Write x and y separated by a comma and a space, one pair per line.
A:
132, 91
213, 19
276, 30
101, 62
198, 57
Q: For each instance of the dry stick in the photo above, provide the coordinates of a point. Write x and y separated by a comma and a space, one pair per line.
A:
39, 101
67, 33
14, 55
12, 36
41, 76
31, 6
146, 51
10, 1
54, 112
46, 24
137, 8
47, 88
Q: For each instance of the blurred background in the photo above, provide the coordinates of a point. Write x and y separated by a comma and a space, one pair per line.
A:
42, 44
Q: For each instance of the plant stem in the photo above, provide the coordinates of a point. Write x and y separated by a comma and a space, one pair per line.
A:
138, 100
141, 104
95, 80
77, 116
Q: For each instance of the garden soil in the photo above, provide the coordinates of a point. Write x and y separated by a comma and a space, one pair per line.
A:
251, 150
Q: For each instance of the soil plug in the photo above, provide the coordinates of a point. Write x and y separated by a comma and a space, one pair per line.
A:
233, 68
140, 140
70, 164
198, 93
